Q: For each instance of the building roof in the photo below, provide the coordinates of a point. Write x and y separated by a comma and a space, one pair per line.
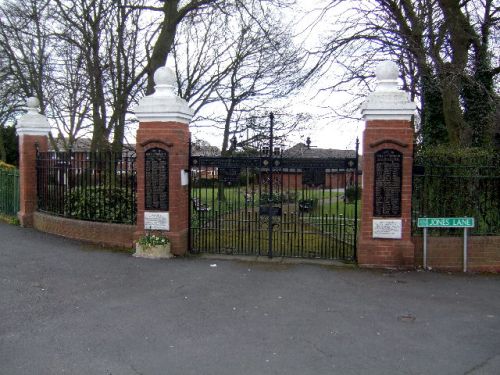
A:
300, 150
83, 145
204, 150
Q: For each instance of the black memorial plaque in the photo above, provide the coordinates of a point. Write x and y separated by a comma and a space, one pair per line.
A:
388, 179
156, 179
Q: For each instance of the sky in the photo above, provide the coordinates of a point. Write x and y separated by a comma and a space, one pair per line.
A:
327, 130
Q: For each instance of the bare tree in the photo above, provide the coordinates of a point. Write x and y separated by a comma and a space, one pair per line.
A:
443, 48
239, 62
106, 35
25, 45
172, 14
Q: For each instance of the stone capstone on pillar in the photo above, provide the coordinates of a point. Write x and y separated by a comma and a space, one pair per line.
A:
387, 102
164, 104
33, 122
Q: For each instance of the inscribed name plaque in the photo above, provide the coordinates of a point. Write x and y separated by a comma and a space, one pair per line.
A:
156, 221
388, 179
387, 229
156, 179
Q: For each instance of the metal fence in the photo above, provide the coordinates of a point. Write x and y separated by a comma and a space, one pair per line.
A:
274, 206
457, 191
94, 186
9, 192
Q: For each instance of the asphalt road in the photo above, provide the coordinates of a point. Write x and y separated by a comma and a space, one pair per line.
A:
68, 308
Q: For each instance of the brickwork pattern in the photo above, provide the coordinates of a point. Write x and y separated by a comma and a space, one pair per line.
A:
104, 234
27, 176
174, 138
446, 253
379, 135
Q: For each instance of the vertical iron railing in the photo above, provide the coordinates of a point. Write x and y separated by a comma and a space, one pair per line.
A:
190, 196
94, 186
301, 209
271, 183
356, 195
457, 191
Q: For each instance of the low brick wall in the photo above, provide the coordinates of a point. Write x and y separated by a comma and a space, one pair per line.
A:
446, 253
115, 235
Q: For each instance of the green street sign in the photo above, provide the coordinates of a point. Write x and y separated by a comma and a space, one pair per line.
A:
445, 222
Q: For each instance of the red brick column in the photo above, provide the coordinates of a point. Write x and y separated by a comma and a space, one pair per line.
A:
32, 129
163, 123
172, 137
382, 252
27, 176
387, 113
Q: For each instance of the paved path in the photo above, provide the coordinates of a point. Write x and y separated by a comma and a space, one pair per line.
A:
67, 308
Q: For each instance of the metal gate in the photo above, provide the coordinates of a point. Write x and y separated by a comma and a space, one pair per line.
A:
274, 205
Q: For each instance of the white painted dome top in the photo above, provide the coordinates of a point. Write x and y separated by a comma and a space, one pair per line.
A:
164, 104
32, 102
164, 76
387, 71
33, 122
387, 101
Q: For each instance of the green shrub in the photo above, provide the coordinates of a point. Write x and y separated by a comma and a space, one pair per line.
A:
288, 197
6, 167
465, 157
350, 194
102, 203
457, 183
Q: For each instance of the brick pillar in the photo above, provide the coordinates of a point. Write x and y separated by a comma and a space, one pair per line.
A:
385, 235
32, 129
164, 124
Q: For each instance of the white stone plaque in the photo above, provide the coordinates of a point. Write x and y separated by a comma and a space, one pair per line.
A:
156, 220
387, 228
184, 177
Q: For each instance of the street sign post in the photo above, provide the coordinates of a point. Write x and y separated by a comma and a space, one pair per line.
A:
446, 222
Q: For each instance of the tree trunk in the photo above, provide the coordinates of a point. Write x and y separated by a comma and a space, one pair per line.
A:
164, 42
461, 35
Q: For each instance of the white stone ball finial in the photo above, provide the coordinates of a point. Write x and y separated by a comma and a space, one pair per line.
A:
165, 81
387, 73
387, 102
33, 122
32, 103
164, 104
387, 70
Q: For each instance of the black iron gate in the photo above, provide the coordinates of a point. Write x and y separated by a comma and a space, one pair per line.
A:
274, 205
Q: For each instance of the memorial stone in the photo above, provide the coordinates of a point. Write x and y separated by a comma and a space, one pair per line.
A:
156, 180
387, 192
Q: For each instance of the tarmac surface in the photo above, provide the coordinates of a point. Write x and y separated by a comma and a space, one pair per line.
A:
69, 308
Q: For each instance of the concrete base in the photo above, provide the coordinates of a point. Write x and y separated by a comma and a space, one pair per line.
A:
153, 252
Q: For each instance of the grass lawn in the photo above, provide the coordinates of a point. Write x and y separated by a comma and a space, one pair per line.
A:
292, 236
235, 225
325, 202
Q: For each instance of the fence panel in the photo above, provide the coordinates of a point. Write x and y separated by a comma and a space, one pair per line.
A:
94, 186
457, 191
9, 192
274, 206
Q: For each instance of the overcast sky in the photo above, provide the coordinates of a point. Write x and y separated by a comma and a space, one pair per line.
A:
327, 130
